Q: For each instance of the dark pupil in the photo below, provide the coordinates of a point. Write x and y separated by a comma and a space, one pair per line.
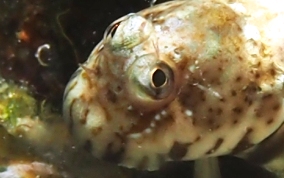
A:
159, 78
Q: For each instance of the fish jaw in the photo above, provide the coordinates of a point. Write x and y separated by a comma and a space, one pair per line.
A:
224, 92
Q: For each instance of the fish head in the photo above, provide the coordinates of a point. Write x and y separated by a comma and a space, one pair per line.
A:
173, 82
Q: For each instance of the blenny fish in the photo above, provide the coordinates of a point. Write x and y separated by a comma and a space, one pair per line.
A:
182, 80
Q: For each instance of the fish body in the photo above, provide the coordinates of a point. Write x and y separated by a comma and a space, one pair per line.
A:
182, 80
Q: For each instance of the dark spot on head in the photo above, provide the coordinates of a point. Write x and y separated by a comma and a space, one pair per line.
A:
258, 113
219, 111
197, 139
178, 151
269, 121
248, 100
233, 93
216, 146
111, 96
257, 75
88, 146
252, 88
210, 110
118, 89
272, 72
203, 98
223, 100
276, 107
237, 110
211, 121
235, 121
238, 79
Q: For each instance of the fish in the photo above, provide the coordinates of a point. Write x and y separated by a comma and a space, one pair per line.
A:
183, 80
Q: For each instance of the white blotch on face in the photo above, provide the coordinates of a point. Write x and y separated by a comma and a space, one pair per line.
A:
192, 68
129, 108
148, 130
135, 135
157, 117
164, 113
188, 113
153, 124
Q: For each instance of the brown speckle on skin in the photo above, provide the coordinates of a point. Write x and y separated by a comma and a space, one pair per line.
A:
270, 121
272, 72
178, 150
111, 96
219, 111
235, 121
276, 107
237, 110
210, 110
238, 79
233, 93
248, 100
257, 75
197, 139
216, 146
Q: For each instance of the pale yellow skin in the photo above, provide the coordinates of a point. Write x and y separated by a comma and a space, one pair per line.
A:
223, 91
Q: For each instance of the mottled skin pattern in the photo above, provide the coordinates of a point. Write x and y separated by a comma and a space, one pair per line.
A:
181, 81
